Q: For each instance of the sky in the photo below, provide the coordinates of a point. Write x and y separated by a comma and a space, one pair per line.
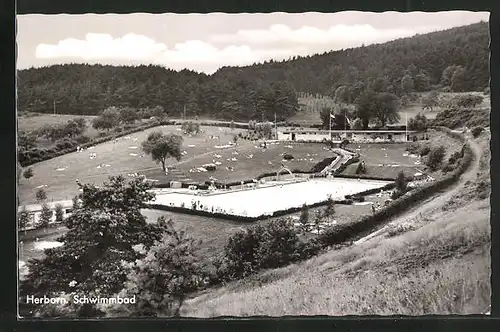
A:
206, 42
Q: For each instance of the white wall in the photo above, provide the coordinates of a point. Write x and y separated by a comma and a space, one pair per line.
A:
312, 137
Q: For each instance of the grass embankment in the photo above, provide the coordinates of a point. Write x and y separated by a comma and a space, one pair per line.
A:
438, 263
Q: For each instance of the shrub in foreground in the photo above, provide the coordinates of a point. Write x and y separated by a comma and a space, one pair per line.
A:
476, 131
259, 247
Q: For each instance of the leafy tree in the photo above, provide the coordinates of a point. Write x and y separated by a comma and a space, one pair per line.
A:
365, 107
418, 123
128, 115
318, 220
412, 70
304, 218
41, 195
24, 217
459, 81
109, 118
342, 94
361, 169
401, 183
422, 82
385, 108
357, 124
435, 157
447, 74
430, 100
379, 84
407, 84
190, 127
59, 212
26, 140
329, 207
161, 280
476, 131
76, 203
45, 216
161, 147
28, 173
101, 234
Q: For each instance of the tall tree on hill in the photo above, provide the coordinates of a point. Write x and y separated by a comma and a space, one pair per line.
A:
407, 84
101, 235
447, 74
379, 84
385, 108
422, 82
365, 107
161, 147
342, 94
459, 80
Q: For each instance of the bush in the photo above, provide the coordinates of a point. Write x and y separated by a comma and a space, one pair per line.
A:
287, 156
455, 157
476, 131
424, 150
413, 148
361, 169
435, 157
82, 139
259, 247
28, 173
447, 168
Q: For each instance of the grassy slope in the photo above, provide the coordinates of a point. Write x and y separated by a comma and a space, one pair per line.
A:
439, 263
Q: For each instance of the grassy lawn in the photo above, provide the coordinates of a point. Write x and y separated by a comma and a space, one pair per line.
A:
122, 156
249, 161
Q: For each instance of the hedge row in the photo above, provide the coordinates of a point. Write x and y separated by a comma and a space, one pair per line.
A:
366, 177
233, 217
343, 233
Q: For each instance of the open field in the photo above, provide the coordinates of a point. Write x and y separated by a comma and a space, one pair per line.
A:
123, 156
266, 200
247, 160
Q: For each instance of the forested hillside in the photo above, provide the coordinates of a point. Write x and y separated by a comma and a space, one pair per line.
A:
455, 59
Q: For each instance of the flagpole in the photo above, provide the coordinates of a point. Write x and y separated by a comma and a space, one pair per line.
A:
406, 126
330, 124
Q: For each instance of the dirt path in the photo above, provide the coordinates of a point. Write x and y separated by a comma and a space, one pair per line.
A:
439, 199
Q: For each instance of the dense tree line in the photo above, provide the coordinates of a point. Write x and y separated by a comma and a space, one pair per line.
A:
454, 59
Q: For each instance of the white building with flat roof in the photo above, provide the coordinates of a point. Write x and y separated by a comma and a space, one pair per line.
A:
358, 136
